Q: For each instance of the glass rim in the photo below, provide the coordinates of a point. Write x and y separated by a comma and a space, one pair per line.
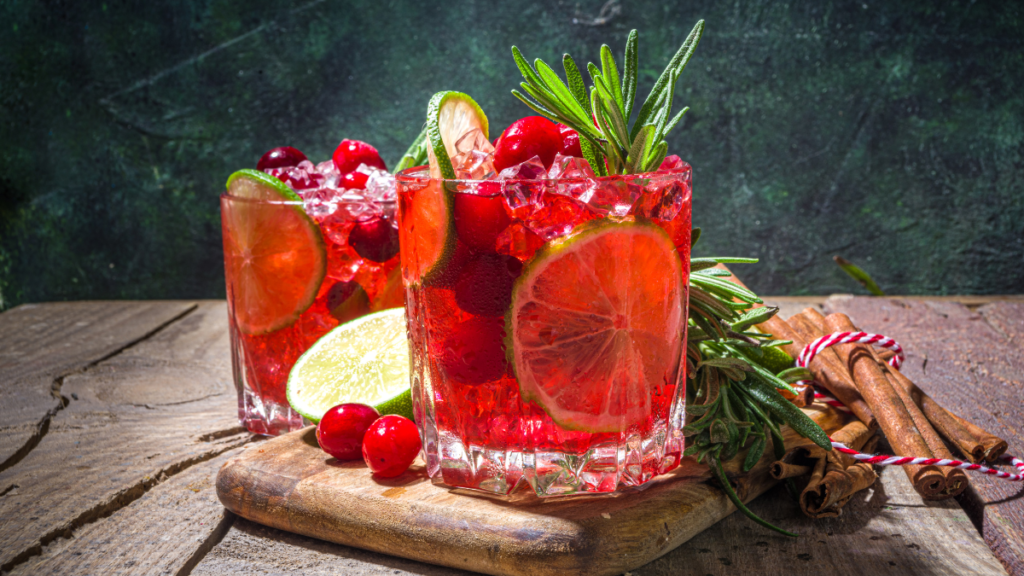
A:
409, 176
233, 198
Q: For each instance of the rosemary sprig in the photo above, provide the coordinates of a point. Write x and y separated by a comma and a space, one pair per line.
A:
416, 155
601, 113
734, 398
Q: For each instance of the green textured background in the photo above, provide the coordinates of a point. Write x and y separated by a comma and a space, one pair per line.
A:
891, 133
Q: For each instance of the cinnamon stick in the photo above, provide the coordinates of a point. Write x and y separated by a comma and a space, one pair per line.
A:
994, 445
827, 368
893, 414
781, 470
836, 477
972, 441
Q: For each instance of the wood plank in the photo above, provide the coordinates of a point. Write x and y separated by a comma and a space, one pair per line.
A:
41, 343
289, 483
166, 531
971, 362
154, 409
886, 529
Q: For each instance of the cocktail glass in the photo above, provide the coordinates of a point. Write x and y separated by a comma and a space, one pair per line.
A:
547, 323
265, 250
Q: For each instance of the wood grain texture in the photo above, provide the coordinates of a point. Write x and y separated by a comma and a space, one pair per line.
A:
289, 483
144, 414
41, 343
164, 532
971, 362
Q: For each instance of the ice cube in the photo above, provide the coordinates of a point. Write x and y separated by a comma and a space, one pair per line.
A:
663, 198
531, 169
330, 173
474, 140
473, 165
318, 208
672, 162
380, 184
298, 178
612, 197
570, 167
356, 206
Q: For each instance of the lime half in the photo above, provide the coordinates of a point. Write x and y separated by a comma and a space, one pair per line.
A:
364, 361
450, 115
595, 326
274, 255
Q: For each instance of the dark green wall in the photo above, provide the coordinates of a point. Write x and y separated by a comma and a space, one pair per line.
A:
889, 132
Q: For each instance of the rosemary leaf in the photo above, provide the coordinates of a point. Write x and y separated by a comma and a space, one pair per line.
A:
610, 72
629, 78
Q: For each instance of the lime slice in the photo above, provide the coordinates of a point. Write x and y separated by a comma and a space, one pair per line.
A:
426, 233
365, 361
596, 323
450, 115
274, 255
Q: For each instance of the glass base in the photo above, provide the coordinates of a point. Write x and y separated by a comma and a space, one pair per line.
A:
604, 469
267, 417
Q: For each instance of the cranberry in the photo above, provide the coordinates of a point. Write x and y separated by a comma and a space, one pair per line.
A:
375, 240
341, 430
353, 181
347, 301
298, 178
480, 219
526, 138
484, 287
390, 445
280, 157
570, 142
351, 153
474, 351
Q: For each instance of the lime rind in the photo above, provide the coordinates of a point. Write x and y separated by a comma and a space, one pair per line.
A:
255, 185
450, 115
283, 192
443, 201
528, 390
364, 361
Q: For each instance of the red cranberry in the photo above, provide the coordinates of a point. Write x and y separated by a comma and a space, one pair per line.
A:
570, 142
474, 351
341, 430
347, 301
375, 240
480, 219
353, 181
297, 178
351, 153
526, 138
390, 445
672, 162
281, 157
484, 287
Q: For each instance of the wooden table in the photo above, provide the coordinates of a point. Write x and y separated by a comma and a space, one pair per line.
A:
116, 416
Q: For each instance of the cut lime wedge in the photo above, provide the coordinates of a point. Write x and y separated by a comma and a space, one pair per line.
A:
450, 115
364, 361
274, 255
595, 325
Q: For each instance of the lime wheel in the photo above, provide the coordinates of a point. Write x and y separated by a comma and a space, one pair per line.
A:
595, 324
274, 255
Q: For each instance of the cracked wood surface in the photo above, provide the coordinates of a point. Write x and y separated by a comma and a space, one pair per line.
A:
972, 362
144, 414
39, 344
120, 482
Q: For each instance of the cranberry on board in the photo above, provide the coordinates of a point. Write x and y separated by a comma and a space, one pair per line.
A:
570, 142
375, 240
390, 445
280, 157
479, 219
351, 153
526, 138
341, 430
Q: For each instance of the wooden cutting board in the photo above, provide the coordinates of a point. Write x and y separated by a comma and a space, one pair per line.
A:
290, 484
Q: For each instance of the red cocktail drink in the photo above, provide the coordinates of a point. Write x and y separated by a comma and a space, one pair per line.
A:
547, 323
302, 253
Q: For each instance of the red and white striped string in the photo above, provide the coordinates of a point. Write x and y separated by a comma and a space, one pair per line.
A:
814, 348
